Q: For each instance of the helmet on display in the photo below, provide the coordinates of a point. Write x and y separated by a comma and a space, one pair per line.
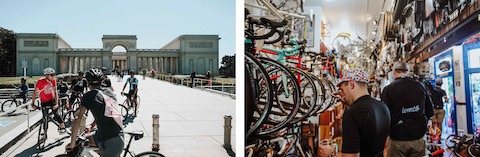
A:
131, 72
94, 76
439, 81
48, 70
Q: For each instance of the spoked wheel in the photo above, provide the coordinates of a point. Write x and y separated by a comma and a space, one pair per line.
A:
308, 94
451, 141
474, 150
150, 154
260, 90
68, 118
42, 134
286, 96
8, 105
320, 94
124, 110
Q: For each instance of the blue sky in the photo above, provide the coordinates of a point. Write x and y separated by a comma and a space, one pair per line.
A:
83, 23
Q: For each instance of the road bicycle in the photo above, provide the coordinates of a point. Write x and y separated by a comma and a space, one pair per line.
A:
47, 116
69, 115
81, 147
128, 106
12, 102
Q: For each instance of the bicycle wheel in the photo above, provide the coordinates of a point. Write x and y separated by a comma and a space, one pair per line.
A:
261, 92
42, 133
451, 141
320, 94
138, 105
286, 96
474, 150
124, 111
308, 93
8, 105
150, 153
68, 118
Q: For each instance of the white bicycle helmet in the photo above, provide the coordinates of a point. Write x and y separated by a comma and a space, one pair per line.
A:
48, 70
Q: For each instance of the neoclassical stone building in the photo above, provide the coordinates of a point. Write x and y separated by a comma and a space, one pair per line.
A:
180, 56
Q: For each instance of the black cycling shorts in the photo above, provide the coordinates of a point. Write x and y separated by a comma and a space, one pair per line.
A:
131, 94
50, 103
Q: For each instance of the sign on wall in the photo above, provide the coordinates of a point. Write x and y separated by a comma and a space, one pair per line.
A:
24, 62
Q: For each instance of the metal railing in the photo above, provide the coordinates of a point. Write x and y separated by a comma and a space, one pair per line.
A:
226, 88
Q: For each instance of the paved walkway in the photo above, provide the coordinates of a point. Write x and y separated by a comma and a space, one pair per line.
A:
191, 122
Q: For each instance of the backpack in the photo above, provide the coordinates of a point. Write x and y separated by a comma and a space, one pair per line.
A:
112, 109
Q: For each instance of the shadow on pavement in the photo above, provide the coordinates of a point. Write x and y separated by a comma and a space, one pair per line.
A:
35, 151
128, 120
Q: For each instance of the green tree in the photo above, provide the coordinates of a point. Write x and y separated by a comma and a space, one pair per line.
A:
228, 66
8, 50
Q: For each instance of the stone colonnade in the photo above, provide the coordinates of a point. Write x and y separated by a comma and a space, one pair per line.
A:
70, 64
160, 64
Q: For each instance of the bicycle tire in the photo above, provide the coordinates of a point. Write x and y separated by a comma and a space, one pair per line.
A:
281, 99
262, 91
149, 153
308, 89
449, 141
42, 134
63, 155
123, 111
474, 150
320, 94
138, 105
9, 104
68, 118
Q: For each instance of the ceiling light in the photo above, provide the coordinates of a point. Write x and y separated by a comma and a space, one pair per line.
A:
375, 22
374, 32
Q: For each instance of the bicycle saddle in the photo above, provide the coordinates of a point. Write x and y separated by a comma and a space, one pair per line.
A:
136, 134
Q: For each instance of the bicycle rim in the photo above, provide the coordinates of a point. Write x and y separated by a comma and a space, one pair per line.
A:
150, 153
124, 111
286, 103
308, 93
320, 94
262, 91
9, 104
449, 141
474, 150
68, 119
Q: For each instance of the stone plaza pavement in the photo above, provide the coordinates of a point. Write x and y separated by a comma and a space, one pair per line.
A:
191, 122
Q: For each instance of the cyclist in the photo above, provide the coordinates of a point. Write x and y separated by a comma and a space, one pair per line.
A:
62, 89
110, 134
144, 72
133, 88
78, 87
46, 88
24, 88
106, 83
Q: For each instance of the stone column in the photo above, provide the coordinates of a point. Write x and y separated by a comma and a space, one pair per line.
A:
84, 65
171, 64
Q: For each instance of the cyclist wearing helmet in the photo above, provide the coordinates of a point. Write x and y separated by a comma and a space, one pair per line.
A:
106, 83
46, 88
109, 134
78, 87
133, 88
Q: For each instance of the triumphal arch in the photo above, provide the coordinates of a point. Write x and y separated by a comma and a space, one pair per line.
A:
180, 56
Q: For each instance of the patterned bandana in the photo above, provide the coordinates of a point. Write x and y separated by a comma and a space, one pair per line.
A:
354, 74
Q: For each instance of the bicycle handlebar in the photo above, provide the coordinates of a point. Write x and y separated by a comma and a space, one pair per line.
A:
269, 24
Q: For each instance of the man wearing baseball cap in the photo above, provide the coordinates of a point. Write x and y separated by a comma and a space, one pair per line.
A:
410, 107
366, 121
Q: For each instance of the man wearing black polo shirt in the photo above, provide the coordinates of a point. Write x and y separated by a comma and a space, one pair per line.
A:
410, 107
366, 121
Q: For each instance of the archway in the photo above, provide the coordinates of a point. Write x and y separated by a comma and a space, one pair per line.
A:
119, 57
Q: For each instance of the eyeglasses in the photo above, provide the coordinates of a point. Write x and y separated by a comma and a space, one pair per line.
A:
50, 74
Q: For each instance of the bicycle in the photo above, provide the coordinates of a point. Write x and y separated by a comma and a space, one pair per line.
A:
70, 115
42, 131
128, 105
12, 102
81, 143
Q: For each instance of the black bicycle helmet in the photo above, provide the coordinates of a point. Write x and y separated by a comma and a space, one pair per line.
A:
94, 76
104, 69
131, 72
